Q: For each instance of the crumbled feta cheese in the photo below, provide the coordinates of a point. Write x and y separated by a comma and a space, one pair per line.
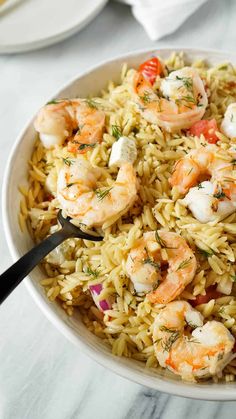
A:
124, 150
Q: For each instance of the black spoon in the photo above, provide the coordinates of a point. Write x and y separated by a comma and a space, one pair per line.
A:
17, 272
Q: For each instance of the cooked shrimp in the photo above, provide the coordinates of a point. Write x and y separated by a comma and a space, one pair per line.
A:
181, 101
210, 200
57, 122
147, 259
206, 204
199, 353
80, 197
228, 126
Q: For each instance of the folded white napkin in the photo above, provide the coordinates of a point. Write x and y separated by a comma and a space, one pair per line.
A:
162, 17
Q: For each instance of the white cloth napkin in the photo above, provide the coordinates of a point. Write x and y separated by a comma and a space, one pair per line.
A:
162, 17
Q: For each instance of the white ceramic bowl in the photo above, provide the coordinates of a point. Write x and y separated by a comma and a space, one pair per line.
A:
72, 327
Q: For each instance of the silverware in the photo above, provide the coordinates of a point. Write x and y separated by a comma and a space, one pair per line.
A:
17, 272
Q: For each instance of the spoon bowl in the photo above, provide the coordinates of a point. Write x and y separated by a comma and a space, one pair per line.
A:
19, 270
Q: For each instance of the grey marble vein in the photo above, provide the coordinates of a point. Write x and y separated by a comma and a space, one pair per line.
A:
148, 404
42, 375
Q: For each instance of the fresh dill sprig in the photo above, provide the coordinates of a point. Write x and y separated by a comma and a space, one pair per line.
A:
68, 161
221, 310
219, 195
187, 98
184, 264
145, 97
102, 193
223, 67
206, 253
83, 146
151, 262
116, 131
156, 285
220, 356
167, 344
167, 329
187, 82
91, 103
161, 242
92, 272
52, 102
190, 171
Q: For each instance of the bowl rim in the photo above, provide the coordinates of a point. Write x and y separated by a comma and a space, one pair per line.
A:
180, 388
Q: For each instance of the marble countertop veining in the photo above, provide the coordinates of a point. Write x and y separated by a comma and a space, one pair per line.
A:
42, 375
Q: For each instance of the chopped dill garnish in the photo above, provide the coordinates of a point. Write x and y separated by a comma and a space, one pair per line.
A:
167, 344
220, 356
199, 186
83, 146
223, 67
233, 277
146, 97
101, 194
91, 103
190, 171
156, 285
151, 262
221, 310
161, 242
219, 195
232, 118
167, 329
206, 253
184, 264
187, 82
68, 161
69, 185
90, 271
187, 98
199, 97
116, 131
52, 102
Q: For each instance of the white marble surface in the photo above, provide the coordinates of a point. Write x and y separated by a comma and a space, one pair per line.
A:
42, 376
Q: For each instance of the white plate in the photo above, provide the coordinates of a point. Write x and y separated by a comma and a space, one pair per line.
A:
32, 24
72, 327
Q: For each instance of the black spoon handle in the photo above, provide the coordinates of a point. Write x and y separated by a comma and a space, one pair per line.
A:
17, 272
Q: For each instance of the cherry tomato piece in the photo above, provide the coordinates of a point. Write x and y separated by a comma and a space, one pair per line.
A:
150, 69
207, 128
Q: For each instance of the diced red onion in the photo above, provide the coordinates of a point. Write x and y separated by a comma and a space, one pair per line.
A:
96, 289
105, 305
102, 305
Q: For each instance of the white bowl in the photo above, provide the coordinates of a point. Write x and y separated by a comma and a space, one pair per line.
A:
72, 327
